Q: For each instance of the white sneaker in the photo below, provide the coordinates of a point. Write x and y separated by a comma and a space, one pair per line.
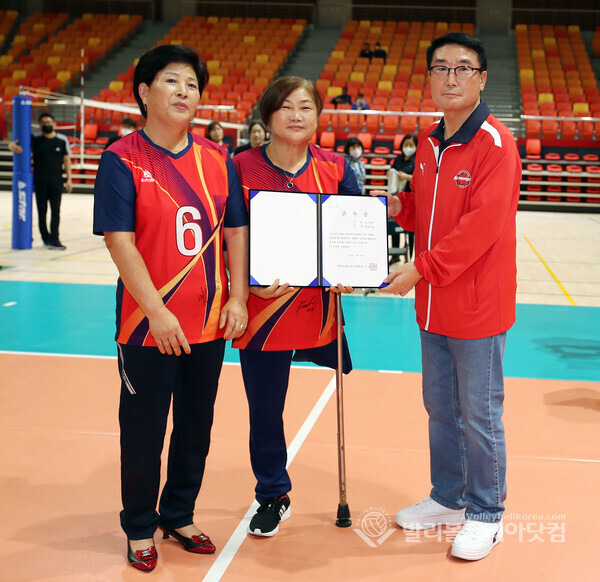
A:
476, 539
428, 514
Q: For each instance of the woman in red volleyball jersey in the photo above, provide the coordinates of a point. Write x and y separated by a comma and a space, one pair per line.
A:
165, 200
281, 318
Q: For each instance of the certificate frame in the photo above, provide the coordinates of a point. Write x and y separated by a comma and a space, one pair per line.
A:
317, 240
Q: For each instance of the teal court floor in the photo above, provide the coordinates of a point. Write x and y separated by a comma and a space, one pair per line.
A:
548, 341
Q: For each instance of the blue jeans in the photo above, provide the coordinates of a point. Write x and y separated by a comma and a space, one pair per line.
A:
463, 392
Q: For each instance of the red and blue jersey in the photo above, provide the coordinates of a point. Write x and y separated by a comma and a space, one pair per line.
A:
304, 318
177, 206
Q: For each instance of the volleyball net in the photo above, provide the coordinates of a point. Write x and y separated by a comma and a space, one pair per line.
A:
89, 123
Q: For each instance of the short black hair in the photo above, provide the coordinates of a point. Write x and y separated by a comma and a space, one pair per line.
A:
128, 122
352, 141
45, 114
462, 39
156, 59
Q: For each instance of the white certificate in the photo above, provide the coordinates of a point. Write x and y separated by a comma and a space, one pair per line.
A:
354, 235
283, 238
317, 239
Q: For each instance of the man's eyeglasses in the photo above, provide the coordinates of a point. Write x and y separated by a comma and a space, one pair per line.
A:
462, 72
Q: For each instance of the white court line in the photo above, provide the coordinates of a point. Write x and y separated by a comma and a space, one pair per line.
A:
239, 535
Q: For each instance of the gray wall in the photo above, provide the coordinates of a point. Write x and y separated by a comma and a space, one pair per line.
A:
493, 15
333, 13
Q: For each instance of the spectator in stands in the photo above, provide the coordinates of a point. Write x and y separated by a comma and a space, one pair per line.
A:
51, 153
164, 200
462, 206
128, 126
214, 132
379, 52
257, 133
366, 52
398, 178
285, 319
360, 103
353, 148
343, 98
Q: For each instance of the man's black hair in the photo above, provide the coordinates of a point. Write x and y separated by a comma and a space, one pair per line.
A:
128, 122
45, 114
462, 39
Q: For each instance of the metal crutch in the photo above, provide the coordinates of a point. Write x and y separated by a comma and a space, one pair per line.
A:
343, 513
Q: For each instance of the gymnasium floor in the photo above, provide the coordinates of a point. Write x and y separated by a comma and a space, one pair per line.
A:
59, 475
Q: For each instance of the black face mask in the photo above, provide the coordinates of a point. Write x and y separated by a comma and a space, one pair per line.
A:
47, 129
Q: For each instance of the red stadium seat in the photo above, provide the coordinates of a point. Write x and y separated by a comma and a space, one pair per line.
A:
372, 124
367, 140
397, 141
533, 149
327, 140
532, 128
324, 121
390, 124
408, 124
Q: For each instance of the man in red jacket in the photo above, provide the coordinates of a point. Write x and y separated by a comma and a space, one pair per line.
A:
462, 207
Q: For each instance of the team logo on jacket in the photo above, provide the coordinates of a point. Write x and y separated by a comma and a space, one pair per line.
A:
147, 177
462, 179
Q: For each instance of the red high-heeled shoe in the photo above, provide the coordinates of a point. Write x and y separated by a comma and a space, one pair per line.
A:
198, 544
144, 560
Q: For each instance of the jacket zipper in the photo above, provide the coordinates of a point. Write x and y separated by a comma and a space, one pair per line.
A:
438, 163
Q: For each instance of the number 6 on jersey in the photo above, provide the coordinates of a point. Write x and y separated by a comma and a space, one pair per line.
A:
182, 227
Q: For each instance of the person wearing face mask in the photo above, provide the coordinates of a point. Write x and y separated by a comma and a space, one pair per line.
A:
379, 52
257, 133
400, 174
51, 153
128, 126
399, 177
354, 150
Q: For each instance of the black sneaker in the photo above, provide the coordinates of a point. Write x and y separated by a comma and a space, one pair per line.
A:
267, 517
55, 245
